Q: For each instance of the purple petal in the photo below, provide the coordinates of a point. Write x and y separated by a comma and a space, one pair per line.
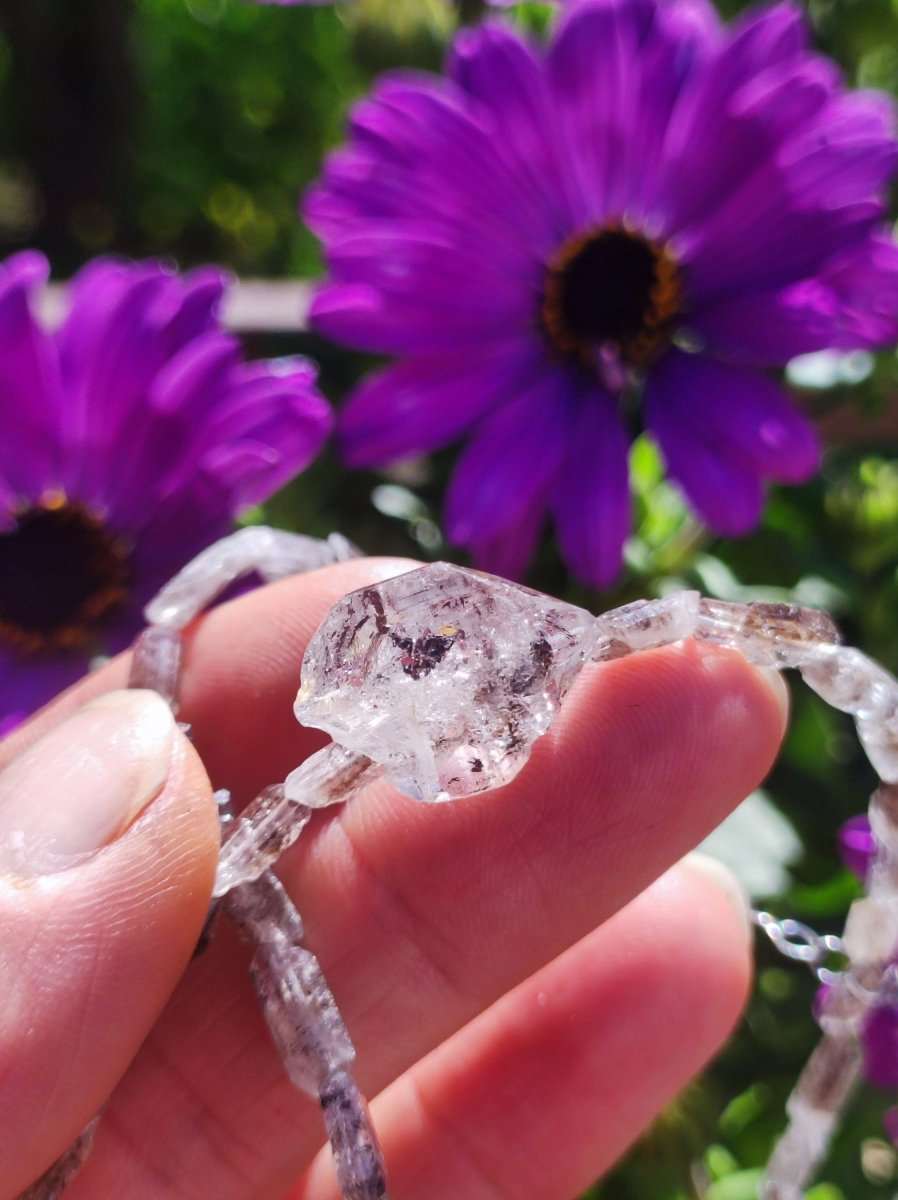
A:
422, 404
415, 291
274, 423
31, 457
725, 494
501, 73
591, 500
175, 413
739, 415
879, 1038
27, 684
510, 552
856, 845
767, 328
865, 284
508, 468
419, 146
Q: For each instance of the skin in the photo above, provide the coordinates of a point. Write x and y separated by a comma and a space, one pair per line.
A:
528, 975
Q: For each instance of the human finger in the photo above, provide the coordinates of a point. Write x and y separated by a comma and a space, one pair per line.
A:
108, 843
422, 916
574, 1062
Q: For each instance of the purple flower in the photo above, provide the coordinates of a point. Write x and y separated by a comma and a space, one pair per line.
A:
624, 228
856, 845
879, 1038
131, 437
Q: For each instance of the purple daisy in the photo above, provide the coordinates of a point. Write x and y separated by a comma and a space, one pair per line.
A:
621, 229
131, 437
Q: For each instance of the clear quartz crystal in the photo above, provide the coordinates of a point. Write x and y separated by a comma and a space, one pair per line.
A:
156, 663
358, 1159
443, 675
301, 1013
263, 912
773, 635
879, 737
884, 827
850, 681
825, 1085
645, 624
272, 822
271, 553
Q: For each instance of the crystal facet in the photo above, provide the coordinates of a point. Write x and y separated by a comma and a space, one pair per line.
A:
301, 1013
271, 553
156, 663
358, 1159
443, 675
774, 635
645, 624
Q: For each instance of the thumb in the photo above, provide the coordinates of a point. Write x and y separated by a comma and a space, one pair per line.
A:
108, 844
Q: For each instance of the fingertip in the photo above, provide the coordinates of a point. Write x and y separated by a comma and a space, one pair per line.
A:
92, 954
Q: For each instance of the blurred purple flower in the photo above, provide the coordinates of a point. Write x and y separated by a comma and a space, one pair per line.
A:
131, 437
856, 845
622, 229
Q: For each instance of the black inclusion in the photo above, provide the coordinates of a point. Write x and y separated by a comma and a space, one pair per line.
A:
51, 567
605, 289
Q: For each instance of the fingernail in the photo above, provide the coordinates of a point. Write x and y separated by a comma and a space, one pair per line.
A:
779, 688
725, 882
81, 785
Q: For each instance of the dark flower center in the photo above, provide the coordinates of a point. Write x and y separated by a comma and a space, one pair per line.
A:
611, 287
61, 573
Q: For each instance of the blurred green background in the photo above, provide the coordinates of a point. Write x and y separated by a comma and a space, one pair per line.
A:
186, 129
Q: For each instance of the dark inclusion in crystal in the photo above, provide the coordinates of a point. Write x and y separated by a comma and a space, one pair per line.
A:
444, 675
61, 574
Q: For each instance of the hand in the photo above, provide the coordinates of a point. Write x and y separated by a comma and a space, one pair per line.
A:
527, 975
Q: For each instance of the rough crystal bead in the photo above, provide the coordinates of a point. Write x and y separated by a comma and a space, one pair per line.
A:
358, 1159
643, 625
302, 1014
850, 681
826, 1083
156, 663
273, 553
330, 776
871, 929
268, 826
884, 826
444, 675
773, 635
263, 912
879, 737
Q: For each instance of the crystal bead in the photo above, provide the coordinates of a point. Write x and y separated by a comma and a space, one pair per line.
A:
358, 1160
272, 553
263, 912
879, 737
302, 1014
156, 663
850, 681
772, 635
644, 624
871, 930
444, 675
